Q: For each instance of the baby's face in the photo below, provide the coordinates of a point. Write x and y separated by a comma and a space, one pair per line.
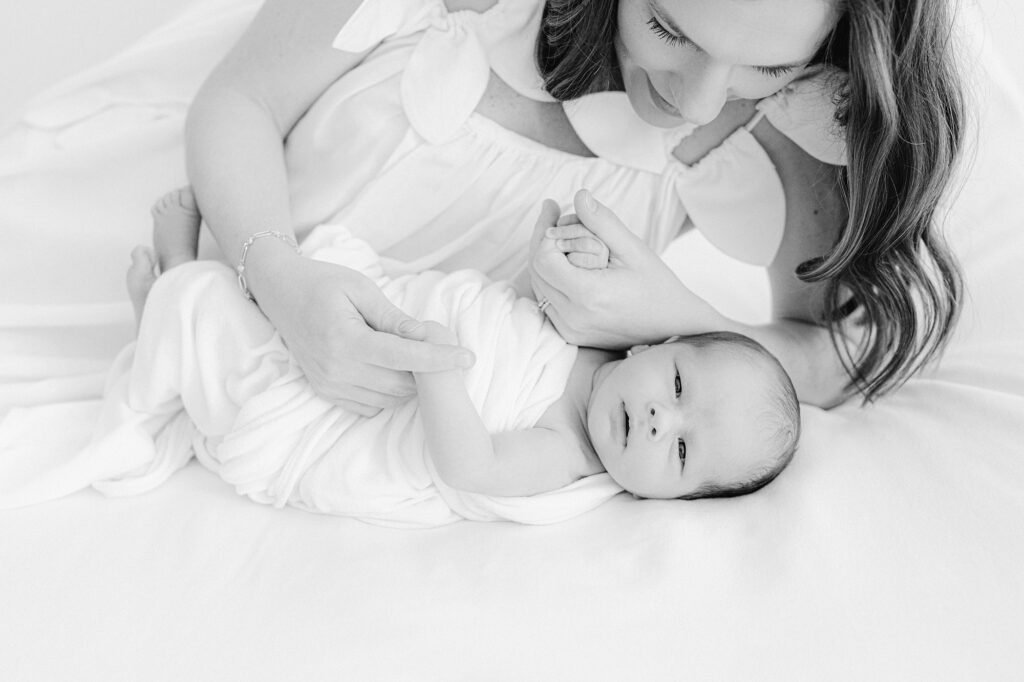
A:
674, 417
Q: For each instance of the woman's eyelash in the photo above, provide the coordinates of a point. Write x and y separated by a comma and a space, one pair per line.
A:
673, 39
774, 71
665, 34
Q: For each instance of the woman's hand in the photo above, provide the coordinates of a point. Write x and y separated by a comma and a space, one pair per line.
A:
355, 347
435, 332
635, 299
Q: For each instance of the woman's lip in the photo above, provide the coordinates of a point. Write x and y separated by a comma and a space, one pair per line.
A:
660, 101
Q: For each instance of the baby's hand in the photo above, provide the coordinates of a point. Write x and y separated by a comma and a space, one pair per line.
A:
437, 333
581, 247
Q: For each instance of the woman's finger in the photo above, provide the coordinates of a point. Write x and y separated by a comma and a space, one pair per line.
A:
382, 342
605, 225
358, 381
548, 217
383, 382
361, 401
557, 317
543, 290
573, 231
394, 352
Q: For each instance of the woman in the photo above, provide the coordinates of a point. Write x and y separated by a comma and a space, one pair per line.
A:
676, 110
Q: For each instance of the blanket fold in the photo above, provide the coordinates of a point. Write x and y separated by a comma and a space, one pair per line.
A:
210, 376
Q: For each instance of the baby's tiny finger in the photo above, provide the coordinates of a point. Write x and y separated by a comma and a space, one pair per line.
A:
568, 219
580, 244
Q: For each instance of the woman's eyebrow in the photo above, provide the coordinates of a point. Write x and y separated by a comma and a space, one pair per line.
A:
667, 20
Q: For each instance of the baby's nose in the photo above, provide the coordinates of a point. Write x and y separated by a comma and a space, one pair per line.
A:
659, 421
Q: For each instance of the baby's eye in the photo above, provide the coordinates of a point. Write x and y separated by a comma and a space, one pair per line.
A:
679, 384
682, 450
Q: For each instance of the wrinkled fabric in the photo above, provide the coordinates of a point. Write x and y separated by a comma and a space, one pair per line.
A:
210, 374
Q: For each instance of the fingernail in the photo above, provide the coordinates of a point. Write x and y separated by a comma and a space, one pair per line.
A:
465, 360
589, 201
408, 326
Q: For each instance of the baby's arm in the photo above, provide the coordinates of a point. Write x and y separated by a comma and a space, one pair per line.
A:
467, 457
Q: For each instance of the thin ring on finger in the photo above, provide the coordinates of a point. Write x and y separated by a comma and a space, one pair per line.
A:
542, 305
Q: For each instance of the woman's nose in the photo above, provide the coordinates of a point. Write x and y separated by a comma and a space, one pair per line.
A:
700, 93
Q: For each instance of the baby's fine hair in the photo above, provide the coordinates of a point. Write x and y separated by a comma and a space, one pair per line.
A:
779, 420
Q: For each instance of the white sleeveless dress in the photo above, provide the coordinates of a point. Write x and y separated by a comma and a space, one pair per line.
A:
395, 152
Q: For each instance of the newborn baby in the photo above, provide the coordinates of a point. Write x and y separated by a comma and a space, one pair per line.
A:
701, 416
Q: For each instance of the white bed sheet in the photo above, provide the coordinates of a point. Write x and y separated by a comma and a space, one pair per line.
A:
893, 548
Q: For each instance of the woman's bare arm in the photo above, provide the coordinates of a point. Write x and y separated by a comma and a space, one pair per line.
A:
815, 215
346, 336
248, 105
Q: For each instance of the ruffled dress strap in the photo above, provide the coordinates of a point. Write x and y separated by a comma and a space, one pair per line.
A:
734, 195
509, 30
735, 198
450, 64
805, 112
609, 126
448, 47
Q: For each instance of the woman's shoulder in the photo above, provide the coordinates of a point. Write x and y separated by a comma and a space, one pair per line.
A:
805, 111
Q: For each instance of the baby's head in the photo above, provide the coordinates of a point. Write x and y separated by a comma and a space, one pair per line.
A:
711, 415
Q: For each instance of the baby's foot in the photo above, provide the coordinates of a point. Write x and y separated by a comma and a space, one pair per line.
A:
140, 278
176, 222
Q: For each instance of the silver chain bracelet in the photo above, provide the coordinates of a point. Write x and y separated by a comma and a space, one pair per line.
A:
240, 268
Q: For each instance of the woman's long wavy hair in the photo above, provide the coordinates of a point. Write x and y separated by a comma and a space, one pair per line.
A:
904, 117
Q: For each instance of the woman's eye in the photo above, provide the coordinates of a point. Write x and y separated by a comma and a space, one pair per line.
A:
682, 450
775, 71
665, 34
679, 384
672, 39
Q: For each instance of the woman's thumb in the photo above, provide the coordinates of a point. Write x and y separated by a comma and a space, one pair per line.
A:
549, 214
382, 315
605, 225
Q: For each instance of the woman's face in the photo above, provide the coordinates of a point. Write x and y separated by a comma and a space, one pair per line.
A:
682, 60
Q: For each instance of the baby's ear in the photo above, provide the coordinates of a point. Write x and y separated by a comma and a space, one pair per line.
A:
636, 350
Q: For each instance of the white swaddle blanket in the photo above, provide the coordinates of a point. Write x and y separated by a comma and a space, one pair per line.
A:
209, 374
